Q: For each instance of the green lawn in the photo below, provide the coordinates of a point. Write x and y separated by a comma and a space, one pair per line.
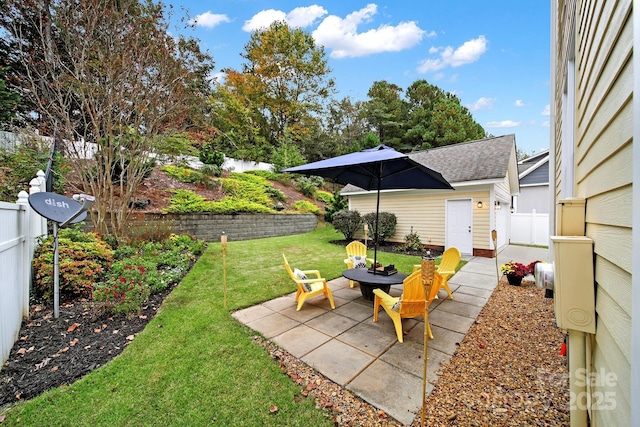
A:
194, 364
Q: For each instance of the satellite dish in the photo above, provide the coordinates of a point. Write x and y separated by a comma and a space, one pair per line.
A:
56, 207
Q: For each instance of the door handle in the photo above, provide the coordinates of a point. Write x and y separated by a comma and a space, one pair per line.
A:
469, 229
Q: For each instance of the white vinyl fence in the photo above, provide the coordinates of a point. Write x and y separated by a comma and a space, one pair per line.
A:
19, 228
530, 228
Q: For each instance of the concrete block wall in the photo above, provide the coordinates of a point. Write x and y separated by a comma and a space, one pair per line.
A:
209, 227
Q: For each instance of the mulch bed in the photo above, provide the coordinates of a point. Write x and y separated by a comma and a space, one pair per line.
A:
52, 352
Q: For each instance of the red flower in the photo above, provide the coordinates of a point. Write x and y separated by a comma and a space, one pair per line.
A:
514, 268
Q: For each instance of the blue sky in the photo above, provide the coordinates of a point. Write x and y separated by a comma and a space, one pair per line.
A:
493, 55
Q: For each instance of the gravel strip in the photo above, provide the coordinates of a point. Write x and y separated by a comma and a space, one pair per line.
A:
508, 371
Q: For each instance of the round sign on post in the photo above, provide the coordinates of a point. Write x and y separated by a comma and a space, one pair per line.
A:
56, 207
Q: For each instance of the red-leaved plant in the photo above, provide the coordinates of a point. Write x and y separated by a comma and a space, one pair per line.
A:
127, 288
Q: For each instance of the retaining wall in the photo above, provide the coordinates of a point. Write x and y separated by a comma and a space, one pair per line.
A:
209, 227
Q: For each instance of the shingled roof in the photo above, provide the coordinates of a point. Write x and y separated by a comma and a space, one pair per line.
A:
485, 159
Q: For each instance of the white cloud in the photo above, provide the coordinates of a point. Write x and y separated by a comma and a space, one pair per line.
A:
545, 124
546, 111
469, 52
519, 103
209, 20
503, 124
341, 37
482, 104
305, 16
298, 17
218, 77
263, 19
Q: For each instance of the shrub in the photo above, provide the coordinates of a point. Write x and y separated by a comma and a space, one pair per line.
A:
83, 261
306, 206
211, 170
338, 204
209, 156
412, 242
285, 179
184, 242
324, 197
387, 221
186, 175
19, 166
307, 185
248, 187
347, 222
285, 156
124, 251
271, 176
148, 232
232, 205
276, 194
127, 287
185, 201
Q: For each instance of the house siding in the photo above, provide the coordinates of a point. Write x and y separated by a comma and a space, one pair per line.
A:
603, 172
424, 213
538, 176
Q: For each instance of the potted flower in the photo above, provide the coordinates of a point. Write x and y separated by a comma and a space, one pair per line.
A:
515, 272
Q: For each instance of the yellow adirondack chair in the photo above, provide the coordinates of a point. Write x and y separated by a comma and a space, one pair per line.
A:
308, 286
411, 304
447, 268
356, 257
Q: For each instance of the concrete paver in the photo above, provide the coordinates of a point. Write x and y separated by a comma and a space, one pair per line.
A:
338, 361
331, 323
390, 389
365, 357
301, 340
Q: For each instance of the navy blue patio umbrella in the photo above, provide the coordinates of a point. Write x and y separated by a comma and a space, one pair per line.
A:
378, 168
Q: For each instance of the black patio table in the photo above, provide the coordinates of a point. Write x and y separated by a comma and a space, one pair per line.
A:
369, 281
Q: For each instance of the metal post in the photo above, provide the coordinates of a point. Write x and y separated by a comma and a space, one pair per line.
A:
376, 234
56, 279
223, 240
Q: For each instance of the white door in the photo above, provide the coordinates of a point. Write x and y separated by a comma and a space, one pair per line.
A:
502, 225
459, 225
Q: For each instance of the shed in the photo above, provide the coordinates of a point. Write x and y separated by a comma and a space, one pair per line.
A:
484, 175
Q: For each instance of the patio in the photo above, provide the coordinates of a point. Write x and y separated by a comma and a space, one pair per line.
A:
365, 357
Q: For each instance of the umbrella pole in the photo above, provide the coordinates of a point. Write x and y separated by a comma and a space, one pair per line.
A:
377, 231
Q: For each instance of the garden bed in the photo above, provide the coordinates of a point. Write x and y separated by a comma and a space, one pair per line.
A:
52, 352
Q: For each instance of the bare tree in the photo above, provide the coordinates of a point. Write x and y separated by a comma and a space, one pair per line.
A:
110, 79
